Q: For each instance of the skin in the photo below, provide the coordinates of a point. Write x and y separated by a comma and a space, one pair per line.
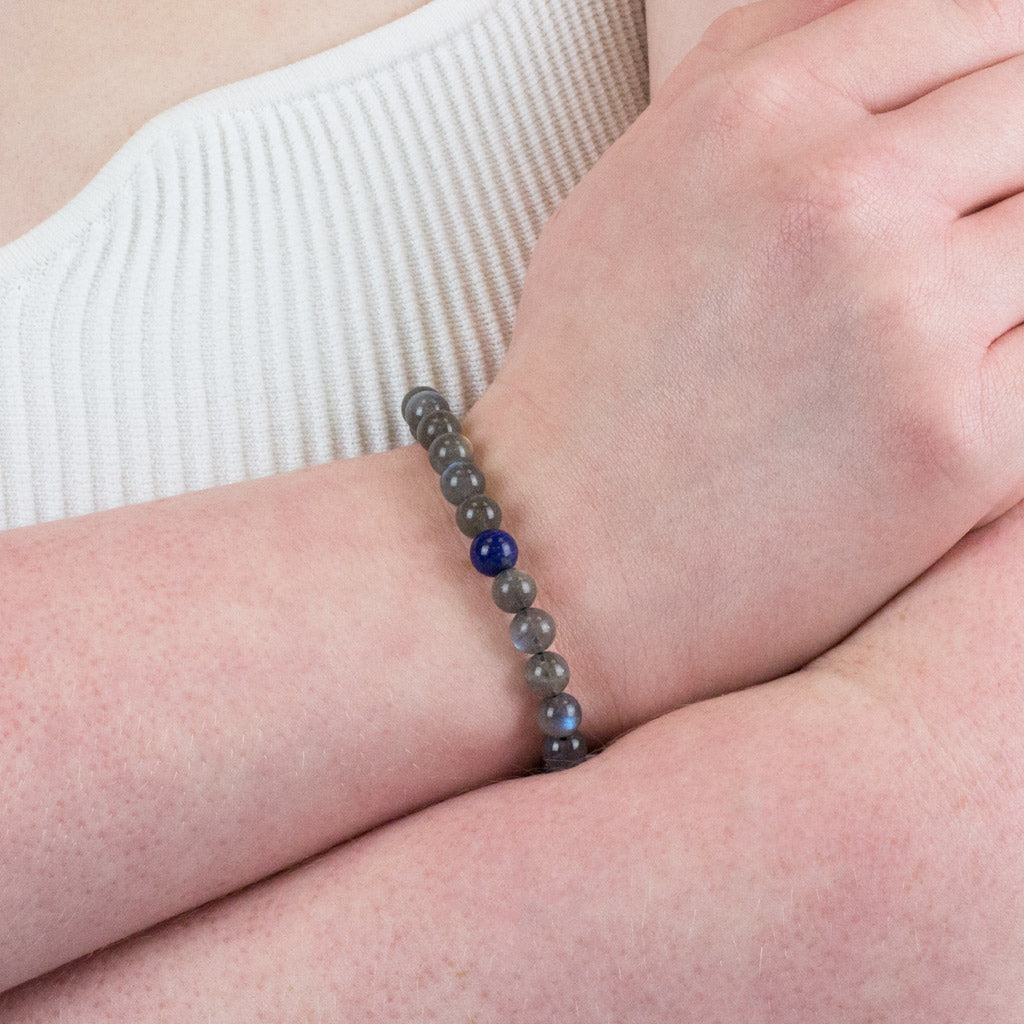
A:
844, 792
80, 78
797, 266
844, 844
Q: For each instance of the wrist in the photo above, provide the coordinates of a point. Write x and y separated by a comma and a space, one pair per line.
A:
548, 507
415, 634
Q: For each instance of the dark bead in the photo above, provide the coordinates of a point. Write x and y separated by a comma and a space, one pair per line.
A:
415, 391
477, 513
422, 405
547, 673
513, 590
493, 551
449, 448
559, 715
532, 630
434, 424
460, 480
562, 752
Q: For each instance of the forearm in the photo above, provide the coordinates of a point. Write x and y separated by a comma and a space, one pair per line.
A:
840, 845
644, 887
750, 859
200, 691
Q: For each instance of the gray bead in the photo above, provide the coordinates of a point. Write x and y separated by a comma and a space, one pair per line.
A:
547, 673
449, 448
460, 480
559, 715
513, 590
415, 391
532, 631
477, 513
422, 405
434, 424
562, 752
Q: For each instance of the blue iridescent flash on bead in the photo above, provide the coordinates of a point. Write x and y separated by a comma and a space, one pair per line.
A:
559, 715
493, 551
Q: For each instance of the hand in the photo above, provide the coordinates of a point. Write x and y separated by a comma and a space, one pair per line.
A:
765, 370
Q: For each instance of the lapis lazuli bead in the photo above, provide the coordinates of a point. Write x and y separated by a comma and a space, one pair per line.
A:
493, 551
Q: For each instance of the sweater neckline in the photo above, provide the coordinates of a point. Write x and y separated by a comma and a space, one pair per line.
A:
374, 51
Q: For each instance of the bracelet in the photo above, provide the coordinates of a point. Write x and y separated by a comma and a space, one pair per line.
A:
494, 553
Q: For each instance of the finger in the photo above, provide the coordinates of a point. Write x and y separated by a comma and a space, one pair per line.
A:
987, 256
965, 138
739, 30
883, 55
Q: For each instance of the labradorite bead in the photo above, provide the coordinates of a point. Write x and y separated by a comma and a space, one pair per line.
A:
434, 424
460, 480
477, 513
493, 551
513, 590
532, 631
564, 751
414, 391
547, 673
422, 405
449, 448
559, 715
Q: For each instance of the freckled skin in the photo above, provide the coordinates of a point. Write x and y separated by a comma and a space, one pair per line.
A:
831, 846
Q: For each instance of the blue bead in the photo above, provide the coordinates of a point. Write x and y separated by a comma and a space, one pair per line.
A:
493, 551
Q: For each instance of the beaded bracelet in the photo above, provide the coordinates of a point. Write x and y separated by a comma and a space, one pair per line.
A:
494, 553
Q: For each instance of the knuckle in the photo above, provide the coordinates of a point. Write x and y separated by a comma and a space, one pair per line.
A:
845, 197
747, 99
851, 177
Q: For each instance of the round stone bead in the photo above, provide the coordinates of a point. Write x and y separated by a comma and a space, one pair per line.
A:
434, 424
460, 480
559, 715
562, 752
513, 590
493, 551
477, 513
422, 405
412, 392
532, 631
449, 448
547, 673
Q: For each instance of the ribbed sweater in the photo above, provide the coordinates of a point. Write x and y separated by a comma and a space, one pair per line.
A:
255, 278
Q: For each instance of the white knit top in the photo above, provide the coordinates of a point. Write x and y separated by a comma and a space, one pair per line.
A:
258, 275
